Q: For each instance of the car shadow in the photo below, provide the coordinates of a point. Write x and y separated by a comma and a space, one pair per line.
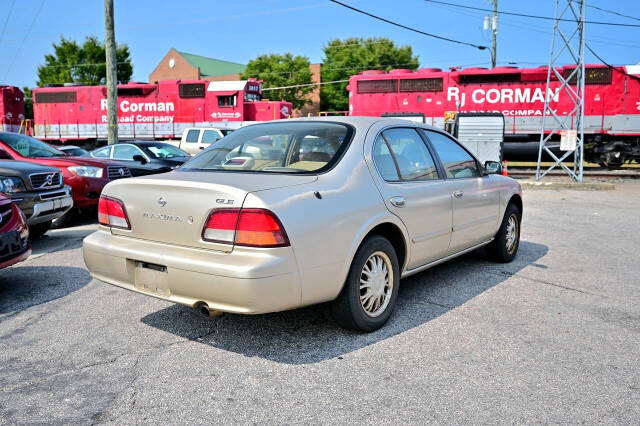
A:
22, 287
74, 217
310, 335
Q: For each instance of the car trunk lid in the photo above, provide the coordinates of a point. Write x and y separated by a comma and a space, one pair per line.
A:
173, 208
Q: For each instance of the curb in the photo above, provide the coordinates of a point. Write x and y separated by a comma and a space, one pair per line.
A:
588, 186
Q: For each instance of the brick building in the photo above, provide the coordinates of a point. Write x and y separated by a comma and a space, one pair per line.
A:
178, 65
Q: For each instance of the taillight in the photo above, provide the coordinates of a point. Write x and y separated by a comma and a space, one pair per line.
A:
245, 227
111, 212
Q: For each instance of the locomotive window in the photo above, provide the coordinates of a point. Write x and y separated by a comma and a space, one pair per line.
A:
226, 101
131, 91
195, 90
377, 86
490, 78
600, 75
421, 85
55, 97
597, 76
251, 97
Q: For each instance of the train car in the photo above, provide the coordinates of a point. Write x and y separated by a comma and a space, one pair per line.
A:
11, 109
150, 111
612, 102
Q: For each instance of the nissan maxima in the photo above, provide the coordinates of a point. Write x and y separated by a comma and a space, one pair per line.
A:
290, 213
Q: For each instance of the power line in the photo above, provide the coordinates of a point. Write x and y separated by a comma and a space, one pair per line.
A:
409, 28
81, 65
524, 15
599, 40
35, 17
6, 21
322, 83
154, 26
613, 12
610, 66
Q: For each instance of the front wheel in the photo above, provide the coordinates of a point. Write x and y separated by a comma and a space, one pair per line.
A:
505, 245
371, 289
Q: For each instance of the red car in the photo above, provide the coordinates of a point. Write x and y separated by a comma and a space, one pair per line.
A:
86, 176
14, 234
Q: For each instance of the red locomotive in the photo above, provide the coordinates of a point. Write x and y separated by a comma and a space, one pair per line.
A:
612, 102
11, 109
160, 111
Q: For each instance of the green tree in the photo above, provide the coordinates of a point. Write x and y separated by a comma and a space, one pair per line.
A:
28, 102
282, 71
344, 58
84, 64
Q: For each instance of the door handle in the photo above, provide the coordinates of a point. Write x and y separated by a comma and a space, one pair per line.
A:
458, 194
398, 201
201, 147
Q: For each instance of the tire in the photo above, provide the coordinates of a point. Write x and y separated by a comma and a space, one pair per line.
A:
37, 231
376, 254
505, 245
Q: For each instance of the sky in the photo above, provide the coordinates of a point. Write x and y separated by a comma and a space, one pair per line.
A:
240, 30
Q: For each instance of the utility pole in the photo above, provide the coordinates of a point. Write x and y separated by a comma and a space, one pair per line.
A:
494, 29
491, 22
112, 75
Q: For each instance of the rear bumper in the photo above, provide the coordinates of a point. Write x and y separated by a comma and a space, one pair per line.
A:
246, 281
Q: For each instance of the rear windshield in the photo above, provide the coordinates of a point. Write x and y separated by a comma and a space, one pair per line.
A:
282, 147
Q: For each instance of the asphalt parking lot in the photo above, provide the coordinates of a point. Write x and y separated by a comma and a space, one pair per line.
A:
553, 337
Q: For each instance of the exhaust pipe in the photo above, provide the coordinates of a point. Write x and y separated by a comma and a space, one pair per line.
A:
204, 309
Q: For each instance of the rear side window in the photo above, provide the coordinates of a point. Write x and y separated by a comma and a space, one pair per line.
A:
408, 154
384, 160
457, 162
102, 152
192, 135
210, 136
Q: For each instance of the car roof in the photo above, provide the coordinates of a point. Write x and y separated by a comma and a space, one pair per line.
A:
142, 142
360, 121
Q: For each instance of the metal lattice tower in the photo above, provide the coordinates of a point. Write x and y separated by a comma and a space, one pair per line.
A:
567, 39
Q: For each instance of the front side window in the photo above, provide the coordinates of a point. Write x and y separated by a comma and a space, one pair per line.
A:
409, 156
457, 162
294, 147
30, 147
192, 135
125, 152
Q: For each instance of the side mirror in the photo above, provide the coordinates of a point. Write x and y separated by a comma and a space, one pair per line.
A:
492, 168
139, 158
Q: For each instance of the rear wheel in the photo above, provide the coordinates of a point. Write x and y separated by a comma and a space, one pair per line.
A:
38, 230
371, 289
505, 245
